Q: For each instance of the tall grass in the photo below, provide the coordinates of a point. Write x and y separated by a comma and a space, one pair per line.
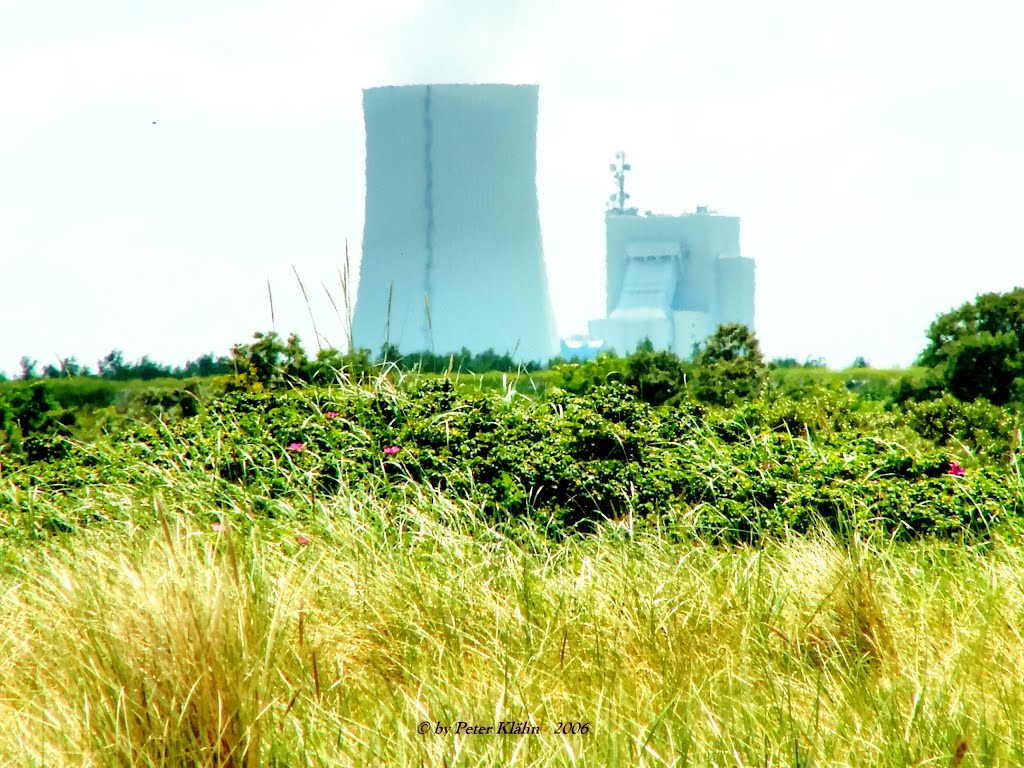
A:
159, 641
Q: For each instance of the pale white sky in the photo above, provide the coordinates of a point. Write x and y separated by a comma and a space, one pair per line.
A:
872, 149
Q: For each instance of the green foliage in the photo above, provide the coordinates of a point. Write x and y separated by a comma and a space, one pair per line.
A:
658, 377
568, 462
270, 363
578, 378
114, 367
6, 418
729, 366
267, 362
34, 412
462, 361
792, 362
45, 448
28, 369
977, 350
205, 366
978, 427
987, 366
330, 366
709, 448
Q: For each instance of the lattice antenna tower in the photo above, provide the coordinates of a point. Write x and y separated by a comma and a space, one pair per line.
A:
617, 201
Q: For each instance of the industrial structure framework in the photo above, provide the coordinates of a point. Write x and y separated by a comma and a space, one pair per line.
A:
671, 279
452, 255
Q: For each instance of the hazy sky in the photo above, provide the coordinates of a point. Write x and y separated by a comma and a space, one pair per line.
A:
873, 150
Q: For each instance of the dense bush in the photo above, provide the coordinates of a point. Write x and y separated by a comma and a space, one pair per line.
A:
270, 363
33, 411
765, 467
978, 427
578, 378
728, 368
711, 448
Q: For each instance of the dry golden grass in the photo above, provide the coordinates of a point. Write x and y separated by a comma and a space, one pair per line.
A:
177, 646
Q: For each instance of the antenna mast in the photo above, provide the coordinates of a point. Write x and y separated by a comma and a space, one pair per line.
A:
618, 200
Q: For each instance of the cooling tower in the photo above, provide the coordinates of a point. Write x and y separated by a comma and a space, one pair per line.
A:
452, 252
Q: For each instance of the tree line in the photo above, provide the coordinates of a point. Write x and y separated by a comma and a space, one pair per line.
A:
974, 351
115, 368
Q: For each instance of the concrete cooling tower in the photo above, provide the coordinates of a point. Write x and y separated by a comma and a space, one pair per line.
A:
452, 252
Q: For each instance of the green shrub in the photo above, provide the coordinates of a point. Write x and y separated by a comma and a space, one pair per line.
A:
658, 377
980, 427
579, 378
764, 468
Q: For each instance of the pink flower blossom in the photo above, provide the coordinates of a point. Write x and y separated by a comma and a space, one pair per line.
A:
303, 541
391, 450
218, 527
297, 447
331, 415
956, 470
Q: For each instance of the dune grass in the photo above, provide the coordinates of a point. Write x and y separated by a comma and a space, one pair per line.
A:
155, 640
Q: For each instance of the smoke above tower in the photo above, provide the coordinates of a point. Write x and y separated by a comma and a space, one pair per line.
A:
452, 253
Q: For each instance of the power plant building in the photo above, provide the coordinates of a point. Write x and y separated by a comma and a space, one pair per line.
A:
672, 279
452, 255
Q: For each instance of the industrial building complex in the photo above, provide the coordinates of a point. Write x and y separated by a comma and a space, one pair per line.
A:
452, 255
671, 279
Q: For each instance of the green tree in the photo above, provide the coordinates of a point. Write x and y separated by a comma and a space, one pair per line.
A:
72, 367
35, 411
269, 362
389, 353
331, 365
296, 362
657, 376
729, 366
147, 370
28, 369
977, 350
259, 365
207, 365
113, 366
983, 365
